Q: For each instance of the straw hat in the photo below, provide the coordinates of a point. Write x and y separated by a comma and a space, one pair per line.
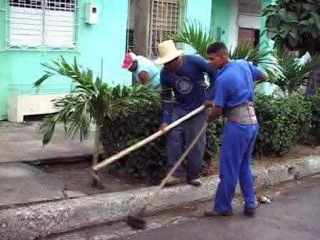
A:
167, 52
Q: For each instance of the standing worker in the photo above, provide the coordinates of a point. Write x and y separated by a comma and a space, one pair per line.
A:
233, 98
183, 90
144, 71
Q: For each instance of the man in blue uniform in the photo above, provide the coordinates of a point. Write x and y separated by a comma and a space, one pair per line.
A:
233, 98
183, 90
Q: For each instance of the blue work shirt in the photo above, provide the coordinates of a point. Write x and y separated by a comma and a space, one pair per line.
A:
235, 84
187, 84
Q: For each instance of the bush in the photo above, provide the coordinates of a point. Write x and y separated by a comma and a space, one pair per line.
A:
283, 122
150, 162
315, 122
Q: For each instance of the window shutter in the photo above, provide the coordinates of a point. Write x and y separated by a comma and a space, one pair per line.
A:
42, 22
25, 23
59, 22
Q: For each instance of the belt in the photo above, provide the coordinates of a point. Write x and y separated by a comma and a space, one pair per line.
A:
243, 114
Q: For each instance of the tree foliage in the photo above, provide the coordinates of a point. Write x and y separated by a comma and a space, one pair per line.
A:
294, 24
90, 101
196, 36
296, 74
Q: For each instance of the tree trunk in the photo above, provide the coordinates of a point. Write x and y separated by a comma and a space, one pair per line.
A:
96, 182
96, 145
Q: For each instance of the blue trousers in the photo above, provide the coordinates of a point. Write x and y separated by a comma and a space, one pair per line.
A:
236, 152
180, 138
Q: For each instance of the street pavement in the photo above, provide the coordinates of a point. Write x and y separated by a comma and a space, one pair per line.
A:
293, 214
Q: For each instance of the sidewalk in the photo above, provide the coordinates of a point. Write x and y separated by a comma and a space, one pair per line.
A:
294, 214
22, 183
31, 173
23, 143
44, 219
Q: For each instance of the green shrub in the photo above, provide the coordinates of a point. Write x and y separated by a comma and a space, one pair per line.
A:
315, 122
283, 121
150, 162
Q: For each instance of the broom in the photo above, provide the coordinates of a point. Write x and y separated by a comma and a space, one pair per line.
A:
137, 221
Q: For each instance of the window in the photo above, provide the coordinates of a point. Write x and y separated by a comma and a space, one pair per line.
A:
164, 20
35, 23
150, 22
250, 7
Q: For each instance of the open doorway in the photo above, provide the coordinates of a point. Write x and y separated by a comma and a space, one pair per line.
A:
249, 21
249, 36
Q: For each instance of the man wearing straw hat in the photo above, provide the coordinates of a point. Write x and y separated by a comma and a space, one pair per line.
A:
183, 90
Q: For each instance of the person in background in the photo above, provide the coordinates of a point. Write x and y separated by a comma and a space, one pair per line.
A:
183, 89
144, 70
233, 97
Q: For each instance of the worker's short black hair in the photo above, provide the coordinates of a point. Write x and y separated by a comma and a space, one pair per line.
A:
217, 47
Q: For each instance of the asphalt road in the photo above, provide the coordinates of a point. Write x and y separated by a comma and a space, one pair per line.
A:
294, 214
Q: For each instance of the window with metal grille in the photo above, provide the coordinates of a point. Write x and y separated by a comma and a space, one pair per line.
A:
249, 7
165, 18
35, 23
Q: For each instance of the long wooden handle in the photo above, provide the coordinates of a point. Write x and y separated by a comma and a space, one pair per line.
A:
174, 168
147, 140
183, 156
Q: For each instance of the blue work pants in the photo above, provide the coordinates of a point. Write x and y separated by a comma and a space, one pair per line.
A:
235, 159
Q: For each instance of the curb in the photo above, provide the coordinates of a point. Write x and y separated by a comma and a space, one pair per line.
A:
37, 221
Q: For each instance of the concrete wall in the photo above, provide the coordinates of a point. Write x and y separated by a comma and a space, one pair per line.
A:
3, 67
226, 20
198, 11
141, 28
221, 19
265, 41
106, 40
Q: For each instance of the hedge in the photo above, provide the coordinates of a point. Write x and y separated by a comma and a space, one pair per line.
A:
283, 121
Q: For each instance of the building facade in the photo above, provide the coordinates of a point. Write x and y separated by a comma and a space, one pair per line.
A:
98, 33
235, 21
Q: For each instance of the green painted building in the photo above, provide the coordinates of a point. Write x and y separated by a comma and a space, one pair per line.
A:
98, 32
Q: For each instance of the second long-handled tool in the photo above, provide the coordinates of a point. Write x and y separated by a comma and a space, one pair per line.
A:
136, 221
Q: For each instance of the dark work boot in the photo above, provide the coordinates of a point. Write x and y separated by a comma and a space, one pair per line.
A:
195, 182
249, 212
214, 213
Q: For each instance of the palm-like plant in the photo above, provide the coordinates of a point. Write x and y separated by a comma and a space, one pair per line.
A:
259, 56
194, 35
295, 73
197, 37
91, 101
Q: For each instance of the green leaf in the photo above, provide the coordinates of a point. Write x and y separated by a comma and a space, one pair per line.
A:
316, 19
42, 79
196, 36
